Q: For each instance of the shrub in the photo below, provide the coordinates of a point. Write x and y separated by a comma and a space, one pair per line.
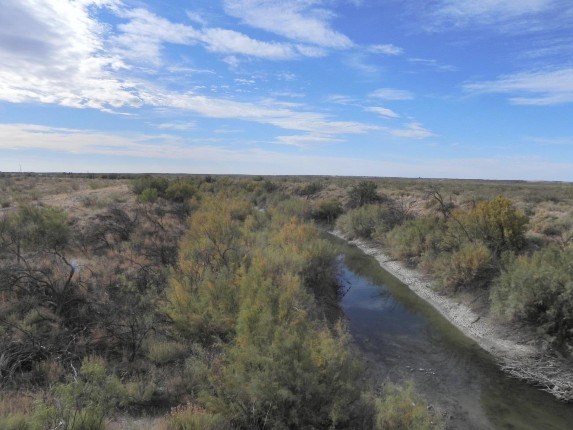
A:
415, 238
495, 222
164, 352
539, 289
142, 183
297, 208
149, 195
327, 211
191, 417
83, 403
310, 189
363, 193
400, 408
15, 422
462, 267
180, 190
366, 220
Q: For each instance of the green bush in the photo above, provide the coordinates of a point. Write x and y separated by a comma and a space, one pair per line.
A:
293, 208
495, 222
180, 190
149, 195
463, 267
415, 237
34, 228
189, 417
327, 211
367, 220
15, 422
142, 183
401, 409
363, 193
83, 403
539, 289
310, 189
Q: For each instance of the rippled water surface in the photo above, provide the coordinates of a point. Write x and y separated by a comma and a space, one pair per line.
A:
403, 337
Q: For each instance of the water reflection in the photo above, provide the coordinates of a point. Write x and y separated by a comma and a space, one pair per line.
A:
405, 338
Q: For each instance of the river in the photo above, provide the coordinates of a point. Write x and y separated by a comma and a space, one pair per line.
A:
403, 338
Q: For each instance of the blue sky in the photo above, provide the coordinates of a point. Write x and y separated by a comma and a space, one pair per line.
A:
430, 88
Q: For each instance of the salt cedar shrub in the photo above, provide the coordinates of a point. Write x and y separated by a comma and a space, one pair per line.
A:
415, 238
327, 211
368, 220
363, 193
265, 355
463, 267
402, 408
539, 289
157, 183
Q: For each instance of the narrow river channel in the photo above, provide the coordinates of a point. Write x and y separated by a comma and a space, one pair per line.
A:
404, 338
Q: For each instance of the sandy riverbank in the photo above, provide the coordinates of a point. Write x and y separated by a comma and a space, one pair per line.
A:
516, 351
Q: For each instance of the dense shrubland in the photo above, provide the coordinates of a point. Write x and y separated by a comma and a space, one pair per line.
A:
212, 298
215, 299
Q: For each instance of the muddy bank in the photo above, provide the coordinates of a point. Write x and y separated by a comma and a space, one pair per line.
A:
516, 351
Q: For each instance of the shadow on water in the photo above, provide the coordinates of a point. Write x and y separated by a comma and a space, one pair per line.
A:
403, 337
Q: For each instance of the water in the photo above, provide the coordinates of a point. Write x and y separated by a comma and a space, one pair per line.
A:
402, 337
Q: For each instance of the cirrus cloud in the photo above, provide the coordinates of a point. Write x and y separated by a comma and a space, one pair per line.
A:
536, 88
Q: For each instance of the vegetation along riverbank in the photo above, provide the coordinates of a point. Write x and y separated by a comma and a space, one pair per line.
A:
180, 302
176, 303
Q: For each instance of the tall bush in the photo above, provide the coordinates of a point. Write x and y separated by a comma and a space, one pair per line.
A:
539, 289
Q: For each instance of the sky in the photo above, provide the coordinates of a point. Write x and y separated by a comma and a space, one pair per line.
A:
406, 88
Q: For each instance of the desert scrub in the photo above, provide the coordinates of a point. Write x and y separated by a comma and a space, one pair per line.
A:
463, 267
164, 352
363, 193
294, 207
367, 220
401, 408
192, 417
415, 237
539, 289
327, 211
84, 402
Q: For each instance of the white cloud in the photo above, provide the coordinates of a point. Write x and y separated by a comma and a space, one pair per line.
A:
264, 112
341, 99
52, 52
413, 130
196, 17
540, 88
232, 42
183, 126
144, 33
63, 62
553, 140
388, 49
387, 113
391, 94
142, 37
505, 15
490, 8
305, 141
433, 64
301, 20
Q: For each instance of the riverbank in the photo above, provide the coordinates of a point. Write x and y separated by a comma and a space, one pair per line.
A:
516, 350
